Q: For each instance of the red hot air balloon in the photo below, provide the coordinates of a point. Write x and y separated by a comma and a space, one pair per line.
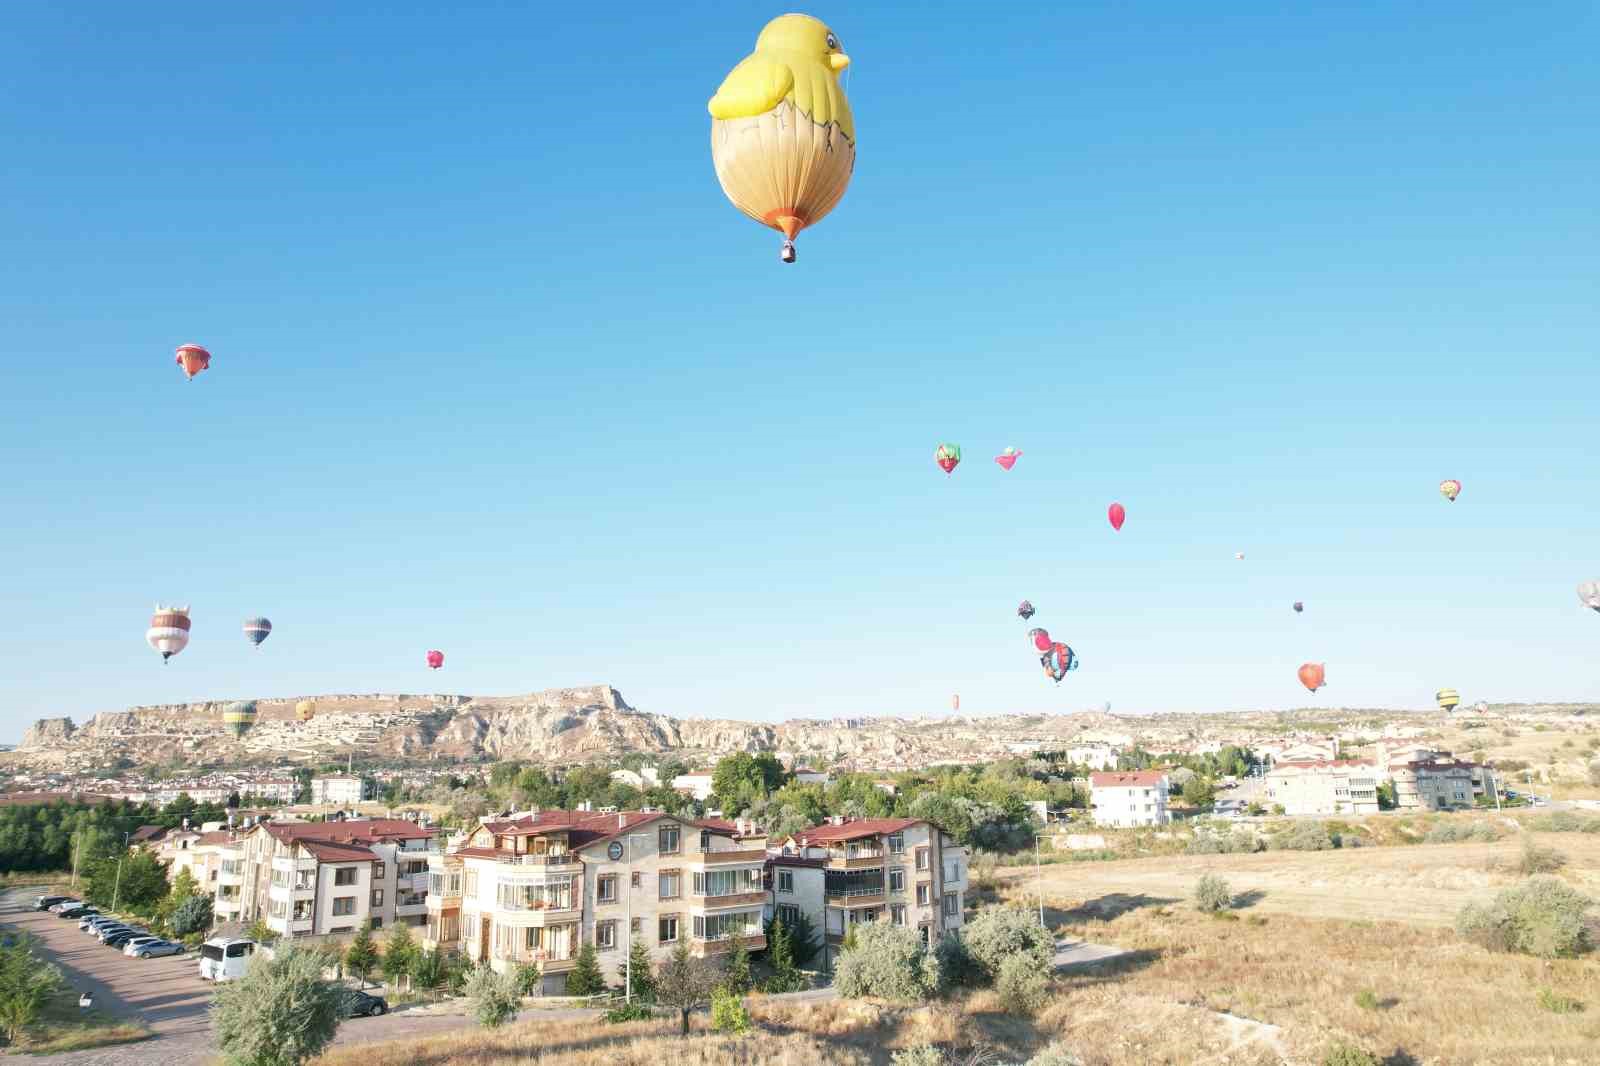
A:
1008, 458
1313, 675
1117, 513
193, 359
435, 660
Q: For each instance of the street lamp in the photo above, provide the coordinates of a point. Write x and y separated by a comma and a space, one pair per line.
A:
627, 979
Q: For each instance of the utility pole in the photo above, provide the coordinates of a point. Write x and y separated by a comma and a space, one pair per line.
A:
116, 891
1038, 879
77, 858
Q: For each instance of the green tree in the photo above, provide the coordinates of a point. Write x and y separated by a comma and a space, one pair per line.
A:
362, 955
786, 976
260, 932
684, 983
528, 978
183, 887
495, 999
1387, 801
997, 933
585, 979
887, 961
1199, 792
280, 1013
641, 980
429, 970
399, 952
728, 1013
134, 880
26, 983
736, 975
191, 916
800, 934
1542, 916
1023, 986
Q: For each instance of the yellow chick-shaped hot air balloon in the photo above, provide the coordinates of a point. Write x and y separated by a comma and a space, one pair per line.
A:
782, 138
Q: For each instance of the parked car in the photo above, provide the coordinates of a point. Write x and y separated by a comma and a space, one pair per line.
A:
116, 940
95, 921
157, 948
138, 942
83, 910
363, 1004
44, 903
103, 931
57, 908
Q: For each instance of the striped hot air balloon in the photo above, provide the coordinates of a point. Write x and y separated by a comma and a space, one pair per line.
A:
193, 359
256, 630
169, 631
239, 717
1448, 699
948, 456
305, 710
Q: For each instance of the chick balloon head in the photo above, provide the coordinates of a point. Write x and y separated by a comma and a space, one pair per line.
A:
803, 34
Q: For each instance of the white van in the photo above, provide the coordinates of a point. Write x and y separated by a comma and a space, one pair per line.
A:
224, 958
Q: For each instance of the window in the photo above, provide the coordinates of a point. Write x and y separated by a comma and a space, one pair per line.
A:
897, 843
302, 910
897, 879
377, 897
345, 875
721, 926
636, 926
605, 889
922, 858
343, 905
952, 870
951, 908
705, 840
667, 929
279, 908
718, 883
670, 885
667, 840
605, 935
637, 883
922, 895
786, 882
471, 883
377, 871
377, 923
925, 933
788, 914
897, 913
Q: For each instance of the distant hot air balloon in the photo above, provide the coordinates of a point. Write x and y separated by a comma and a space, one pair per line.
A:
193, 359
1589, 594
1450, 489
948, 456
169, 631
256, 630
239, 717
1313, 675
1008, 458
955, 702
1299, 607
305, 710
435, 660
1448, 699
1117, 513
1024, 610
1058, 661
1238, 555
1039, 639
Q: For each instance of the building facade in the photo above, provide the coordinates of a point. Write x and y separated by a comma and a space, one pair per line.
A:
1324, 787
1094, 756
1129, 798
338, 791
1437, 786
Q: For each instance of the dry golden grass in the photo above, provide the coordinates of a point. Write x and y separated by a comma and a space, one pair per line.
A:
64, 1026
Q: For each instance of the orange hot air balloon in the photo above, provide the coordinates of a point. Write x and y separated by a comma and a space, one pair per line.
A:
1313, 675
193, 359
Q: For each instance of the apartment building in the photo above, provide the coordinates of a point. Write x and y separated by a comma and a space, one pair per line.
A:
1094, 756
901, 870
1129, 798
316, 878
695, 783
1346, 786
1438, 786
534, 888
338, 791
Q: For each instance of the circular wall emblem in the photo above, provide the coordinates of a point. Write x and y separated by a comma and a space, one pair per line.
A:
615, 850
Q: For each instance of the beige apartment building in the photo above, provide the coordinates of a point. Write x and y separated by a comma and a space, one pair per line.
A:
1348, 786
1437, 786
900, 870
534, 888
1129, 798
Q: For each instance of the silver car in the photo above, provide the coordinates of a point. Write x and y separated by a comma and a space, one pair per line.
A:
138, 942
157, 948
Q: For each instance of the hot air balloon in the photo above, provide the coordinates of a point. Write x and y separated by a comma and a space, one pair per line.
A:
1589, 594
948, 456
1008, 458
1058, 661
955, 702
1039, 639
1298, 607
435, 660
1448, 699
1450, 489
305, 710
782, 138
169, 631
256, 630
1117, 513
1238, 555
239, 717
1313, 675
193, 359
1024, 610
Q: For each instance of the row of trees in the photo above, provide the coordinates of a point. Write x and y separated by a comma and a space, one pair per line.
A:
48, 836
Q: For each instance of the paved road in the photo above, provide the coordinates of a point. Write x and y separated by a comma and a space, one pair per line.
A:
1072, 953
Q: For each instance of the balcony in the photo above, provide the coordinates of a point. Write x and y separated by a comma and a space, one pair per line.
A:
566, 858
703, 948
715, 858
860, 859
875, 898
733, 899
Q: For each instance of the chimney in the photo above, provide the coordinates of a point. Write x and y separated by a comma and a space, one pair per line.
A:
622, 820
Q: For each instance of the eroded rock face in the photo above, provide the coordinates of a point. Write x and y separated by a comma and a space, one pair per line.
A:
46, 733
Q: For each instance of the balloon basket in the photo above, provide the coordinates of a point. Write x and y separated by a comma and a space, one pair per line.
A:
787, 255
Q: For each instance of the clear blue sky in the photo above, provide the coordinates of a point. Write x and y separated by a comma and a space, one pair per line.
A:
499, 371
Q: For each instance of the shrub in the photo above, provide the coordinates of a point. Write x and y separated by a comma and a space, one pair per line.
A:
736, 973
957, 967
1564, 822
362, 954
1212, 894
1343, 1054
637, 1011
1055, 1055
1367, 999
888, 961
728, 1014
1542, 916
684, 983
494, 997
999, 933
527, 979
1538, 860
786, 975
1023, 984
191, 916
26, 983
429, 970
1556, 1003
280, 1013
639, 974
585, 979
921, 1055
1302, 836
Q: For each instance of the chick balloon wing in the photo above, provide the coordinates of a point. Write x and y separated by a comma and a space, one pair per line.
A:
757, 85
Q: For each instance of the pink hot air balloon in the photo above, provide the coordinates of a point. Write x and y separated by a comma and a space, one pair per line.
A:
1117, 513
435, 660
1008, 458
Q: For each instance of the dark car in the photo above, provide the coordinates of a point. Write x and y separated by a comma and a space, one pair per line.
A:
363, 1005
77, 912
117, 939
109, 929
44, 903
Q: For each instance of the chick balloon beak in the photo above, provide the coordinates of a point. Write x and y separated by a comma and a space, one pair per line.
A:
838, 61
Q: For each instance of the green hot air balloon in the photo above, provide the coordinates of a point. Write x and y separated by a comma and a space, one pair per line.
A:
239, 717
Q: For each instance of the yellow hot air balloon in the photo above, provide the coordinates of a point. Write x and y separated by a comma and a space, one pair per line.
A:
305, 710
1448, 698
782, 138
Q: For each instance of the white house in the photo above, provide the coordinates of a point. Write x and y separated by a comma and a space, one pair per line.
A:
1129, 798
696, 783
343, 791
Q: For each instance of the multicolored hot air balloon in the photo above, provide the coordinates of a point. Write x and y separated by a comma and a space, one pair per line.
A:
1058, 661
193, 359
1024, 610
1448, 699
305, 710
1313, 675
948, 456
1117, 514
239, 717
256, 630
1008, 458
1589, 594
1450, 489
435, 660
169, 631
1298, 607
782, 138
1039, 639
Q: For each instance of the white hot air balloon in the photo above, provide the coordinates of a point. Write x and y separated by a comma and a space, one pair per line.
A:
169, 631
1589, 594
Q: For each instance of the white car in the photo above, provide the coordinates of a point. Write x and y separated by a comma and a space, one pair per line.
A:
132, 946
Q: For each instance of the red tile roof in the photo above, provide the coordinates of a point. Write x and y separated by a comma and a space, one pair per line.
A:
582, 827
1126, 779
1323, 764
330, 851
362, 831
147, 832
863, 827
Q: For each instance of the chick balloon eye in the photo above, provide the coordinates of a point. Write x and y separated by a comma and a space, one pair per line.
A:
833, 42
